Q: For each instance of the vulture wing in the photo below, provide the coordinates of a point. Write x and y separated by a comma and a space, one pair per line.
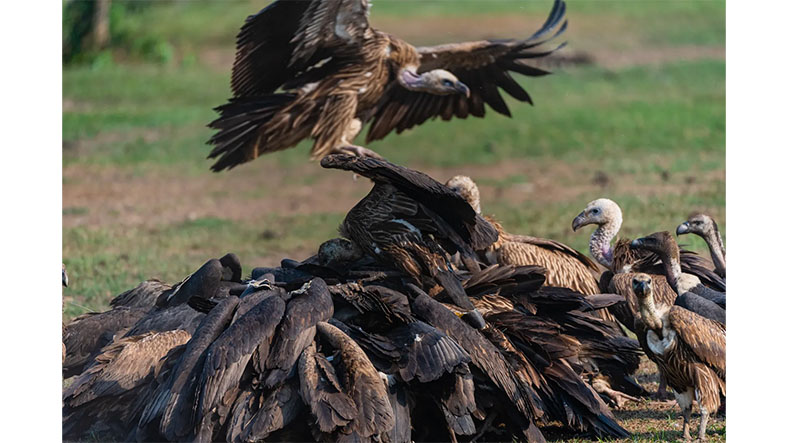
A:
288, 37
322, 391
706, 338
432, 195
483, 66
227, 357
297, 329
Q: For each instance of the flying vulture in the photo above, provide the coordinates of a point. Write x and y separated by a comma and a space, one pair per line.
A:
689, 351
317, 70
705, 226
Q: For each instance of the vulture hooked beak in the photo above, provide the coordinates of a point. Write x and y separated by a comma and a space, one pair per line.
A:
640, 286
637, 243
463, 89
579, 221
682, 228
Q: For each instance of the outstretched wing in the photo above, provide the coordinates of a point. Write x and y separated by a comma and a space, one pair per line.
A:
706, 338
433, 196
288, 37
484, 66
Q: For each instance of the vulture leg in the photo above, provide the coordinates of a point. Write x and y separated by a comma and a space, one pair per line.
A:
619, 399
704, 419
358, 151
685, 403
662, 389
346, 145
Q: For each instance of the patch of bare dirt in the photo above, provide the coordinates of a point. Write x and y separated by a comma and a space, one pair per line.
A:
100, 195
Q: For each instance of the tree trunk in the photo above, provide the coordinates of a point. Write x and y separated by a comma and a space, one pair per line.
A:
100, 37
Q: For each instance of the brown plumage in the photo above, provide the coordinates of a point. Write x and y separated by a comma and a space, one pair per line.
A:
336, 73
107, 396
689, 351
412, 222
566, 267
363, 385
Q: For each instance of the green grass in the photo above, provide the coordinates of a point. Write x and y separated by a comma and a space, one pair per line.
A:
636, 123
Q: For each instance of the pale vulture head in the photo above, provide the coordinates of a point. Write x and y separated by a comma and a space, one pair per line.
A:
599, 212
641, 284
464, 186
436, 82
699, 224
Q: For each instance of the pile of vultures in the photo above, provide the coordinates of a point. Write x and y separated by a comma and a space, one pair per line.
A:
425, 320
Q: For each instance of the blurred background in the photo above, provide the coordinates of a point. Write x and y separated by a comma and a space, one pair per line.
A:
634, 112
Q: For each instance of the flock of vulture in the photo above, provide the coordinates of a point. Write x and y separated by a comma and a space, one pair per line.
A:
425, 320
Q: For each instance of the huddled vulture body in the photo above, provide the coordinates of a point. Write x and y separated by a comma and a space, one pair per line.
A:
363, 341
689, 350
316, 69
565, 267
692, 294
412, 222
705, 227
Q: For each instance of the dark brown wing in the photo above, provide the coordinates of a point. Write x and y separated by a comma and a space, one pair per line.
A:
706, 338
173, 402
142, 296
287, 37
363, 384
483, 66
322, 391
227, 357
431, 194
297, 329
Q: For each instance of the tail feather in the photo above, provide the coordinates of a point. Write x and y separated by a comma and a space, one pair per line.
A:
239, 124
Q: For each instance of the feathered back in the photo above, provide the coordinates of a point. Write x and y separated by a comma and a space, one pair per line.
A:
435, 196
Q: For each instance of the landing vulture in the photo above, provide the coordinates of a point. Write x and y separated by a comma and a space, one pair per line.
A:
316, 69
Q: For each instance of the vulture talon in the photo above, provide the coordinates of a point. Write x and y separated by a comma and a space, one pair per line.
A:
359, 151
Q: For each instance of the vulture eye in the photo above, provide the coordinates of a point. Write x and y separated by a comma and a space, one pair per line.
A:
595, 211
447, 82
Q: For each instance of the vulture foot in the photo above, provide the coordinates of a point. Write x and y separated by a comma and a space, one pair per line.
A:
620, 399
358, 151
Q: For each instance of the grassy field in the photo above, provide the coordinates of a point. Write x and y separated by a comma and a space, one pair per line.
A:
644, 124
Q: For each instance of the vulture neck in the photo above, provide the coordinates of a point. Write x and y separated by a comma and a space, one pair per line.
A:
648, 314
717, 250
599, 245
670, 260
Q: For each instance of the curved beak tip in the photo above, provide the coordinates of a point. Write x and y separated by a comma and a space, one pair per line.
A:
577, 223
636, 243
682, 229
464, 89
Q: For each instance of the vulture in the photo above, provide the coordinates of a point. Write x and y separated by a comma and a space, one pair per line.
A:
705, 226
606, 214
688, 286
413, 222
65, 276
107, 397
566, 267
316, 69
689, 350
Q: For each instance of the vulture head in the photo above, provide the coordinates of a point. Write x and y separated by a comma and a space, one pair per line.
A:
601, 212
65, 276
338, 251
661, 243
698, 224
464, 186
641, 284
436, 82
